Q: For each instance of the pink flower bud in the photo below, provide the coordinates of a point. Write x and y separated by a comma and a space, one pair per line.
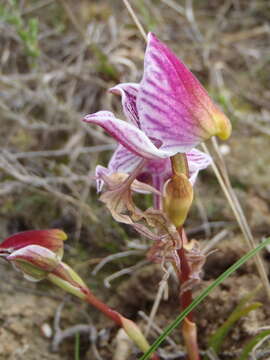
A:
36, 253
50, 239
34, 261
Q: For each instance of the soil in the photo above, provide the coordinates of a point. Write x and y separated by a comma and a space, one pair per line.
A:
27, 310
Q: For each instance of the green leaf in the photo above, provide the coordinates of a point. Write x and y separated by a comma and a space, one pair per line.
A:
77, 346
217, 339
241, 310
104, 65
250, 345
202, 296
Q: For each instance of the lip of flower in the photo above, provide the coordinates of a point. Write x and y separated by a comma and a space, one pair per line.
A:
169, 105
157, 171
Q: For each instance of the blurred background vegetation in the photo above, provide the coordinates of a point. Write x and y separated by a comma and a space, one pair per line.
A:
57, 60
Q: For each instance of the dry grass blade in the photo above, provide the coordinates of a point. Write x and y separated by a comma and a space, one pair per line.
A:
135, 19
224, 181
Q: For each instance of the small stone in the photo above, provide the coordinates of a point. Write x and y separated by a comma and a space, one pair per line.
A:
46, 330
224, 149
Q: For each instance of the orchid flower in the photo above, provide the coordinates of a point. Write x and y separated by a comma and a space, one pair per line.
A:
169, 112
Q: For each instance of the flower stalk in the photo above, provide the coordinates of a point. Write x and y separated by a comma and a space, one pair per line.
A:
168, 114
84, 293
189, 329
184, 201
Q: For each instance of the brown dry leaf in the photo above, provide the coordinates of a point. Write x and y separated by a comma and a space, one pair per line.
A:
118, 197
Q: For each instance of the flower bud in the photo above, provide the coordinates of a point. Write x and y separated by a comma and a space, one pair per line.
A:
51, 239
134, 333
34, 261
178, 197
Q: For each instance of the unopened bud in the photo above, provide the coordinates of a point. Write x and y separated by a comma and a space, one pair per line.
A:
190, 335
135, 334
178, 197
34, 261
51, 239
67, 279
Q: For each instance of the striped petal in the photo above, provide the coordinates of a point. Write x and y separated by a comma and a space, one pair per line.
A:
162, 168
128, 93
131, 137
173, 106
197, 161
123, 161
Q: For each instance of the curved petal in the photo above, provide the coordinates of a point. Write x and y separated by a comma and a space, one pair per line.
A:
123, 161
173, 106
127, 134
128, 92
161, 168
197, 161
100, 174
35, 261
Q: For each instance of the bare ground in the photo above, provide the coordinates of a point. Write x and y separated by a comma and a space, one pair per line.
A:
49, 156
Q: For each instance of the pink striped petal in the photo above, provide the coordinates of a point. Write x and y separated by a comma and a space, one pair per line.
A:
127, 134
173, 106
128, 92
197, 161
123, 161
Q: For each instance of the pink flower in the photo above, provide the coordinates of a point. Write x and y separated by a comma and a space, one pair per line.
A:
169, 112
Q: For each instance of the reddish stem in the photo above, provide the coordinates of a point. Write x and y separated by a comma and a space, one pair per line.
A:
186, 300
185, 297
107, 311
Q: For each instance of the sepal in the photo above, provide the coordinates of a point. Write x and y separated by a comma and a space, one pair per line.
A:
34, 261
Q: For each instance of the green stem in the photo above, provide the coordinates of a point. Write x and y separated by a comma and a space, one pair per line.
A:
180, 164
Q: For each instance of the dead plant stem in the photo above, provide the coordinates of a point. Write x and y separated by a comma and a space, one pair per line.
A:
135, 19
224, 181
